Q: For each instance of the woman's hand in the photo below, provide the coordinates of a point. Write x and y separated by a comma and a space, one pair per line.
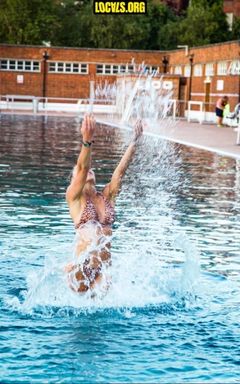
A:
138, 131
88, 127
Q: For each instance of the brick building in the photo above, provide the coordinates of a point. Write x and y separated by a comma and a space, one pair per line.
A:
232, 10
65, 72
201, 73
232, 7
210, 71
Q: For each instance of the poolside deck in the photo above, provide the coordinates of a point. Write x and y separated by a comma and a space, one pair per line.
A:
205, 136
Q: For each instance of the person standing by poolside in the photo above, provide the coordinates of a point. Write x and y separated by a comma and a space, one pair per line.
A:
220, 105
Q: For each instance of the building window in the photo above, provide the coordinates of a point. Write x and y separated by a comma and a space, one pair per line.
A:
76, 68
36, 66
99, 69
131, 69
68, 67
155, 70
84, 68
197, 70
19, 65
28, 65
62, 67
187, 70
234, 68
52, 67
108, 69
12, 65
114, 69
209, 69
178, 70
222, 68
149, 69
4, 64
122, 68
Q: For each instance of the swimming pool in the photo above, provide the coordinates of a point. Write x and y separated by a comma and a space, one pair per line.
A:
173, 311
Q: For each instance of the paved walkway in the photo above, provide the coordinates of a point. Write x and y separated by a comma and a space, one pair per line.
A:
204, 136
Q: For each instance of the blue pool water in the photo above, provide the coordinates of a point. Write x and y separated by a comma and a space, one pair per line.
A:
172, 314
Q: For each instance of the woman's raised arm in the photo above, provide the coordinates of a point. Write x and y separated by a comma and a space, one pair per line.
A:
84, 160
112, 189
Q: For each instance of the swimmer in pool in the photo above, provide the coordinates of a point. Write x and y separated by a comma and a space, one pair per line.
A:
93, 212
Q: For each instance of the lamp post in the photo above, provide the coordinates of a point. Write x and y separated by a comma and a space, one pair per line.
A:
44, 84
165, 63
191, 57
238, 80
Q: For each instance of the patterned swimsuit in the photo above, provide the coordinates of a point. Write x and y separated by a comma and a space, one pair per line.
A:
90, 213
84, 275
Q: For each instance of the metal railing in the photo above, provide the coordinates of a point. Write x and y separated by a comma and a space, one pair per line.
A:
180, 109
37, 104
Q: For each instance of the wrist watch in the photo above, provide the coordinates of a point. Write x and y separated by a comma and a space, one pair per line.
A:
87, 143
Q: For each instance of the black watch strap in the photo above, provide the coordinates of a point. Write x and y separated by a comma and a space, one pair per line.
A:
87, 143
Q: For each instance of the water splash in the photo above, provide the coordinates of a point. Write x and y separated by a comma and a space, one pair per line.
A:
139, 276
146, 98
105, 91
145, 261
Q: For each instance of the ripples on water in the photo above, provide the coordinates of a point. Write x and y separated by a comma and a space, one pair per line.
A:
172, 312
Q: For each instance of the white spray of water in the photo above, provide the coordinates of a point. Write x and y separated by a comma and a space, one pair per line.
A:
139, 277
143, 247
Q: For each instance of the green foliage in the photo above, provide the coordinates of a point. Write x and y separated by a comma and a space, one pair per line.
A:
158, 16
72, 23
236, 29
111, 31
204, 23
27, 21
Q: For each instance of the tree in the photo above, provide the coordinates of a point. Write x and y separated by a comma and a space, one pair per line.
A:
159, 15
86, 29
27, 21
205, 23
113, 31
236, 29
72, 23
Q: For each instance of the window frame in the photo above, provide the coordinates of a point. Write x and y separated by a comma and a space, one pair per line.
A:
222, 68
20, 65
209, 72
198, 70
68, 67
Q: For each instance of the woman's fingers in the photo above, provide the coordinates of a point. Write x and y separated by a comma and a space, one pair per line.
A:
88, 126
